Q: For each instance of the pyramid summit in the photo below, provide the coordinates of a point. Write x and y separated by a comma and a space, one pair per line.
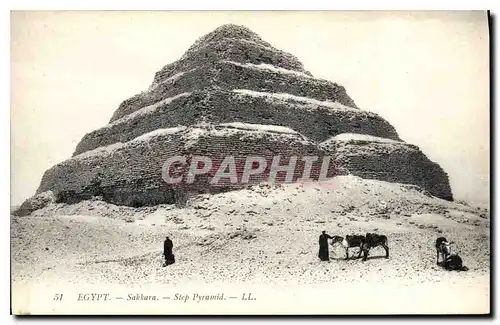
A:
229, 31
233, 43
232, 95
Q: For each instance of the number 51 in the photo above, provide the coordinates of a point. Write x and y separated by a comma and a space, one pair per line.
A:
58, 297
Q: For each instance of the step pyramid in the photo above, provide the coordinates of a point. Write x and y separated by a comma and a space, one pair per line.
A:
232, 93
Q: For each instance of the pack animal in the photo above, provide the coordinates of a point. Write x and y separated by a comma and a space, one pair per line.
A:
348, 242
372, 241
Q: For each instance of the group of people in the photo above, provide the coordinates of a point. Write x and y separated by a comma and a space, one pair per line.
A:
450, 262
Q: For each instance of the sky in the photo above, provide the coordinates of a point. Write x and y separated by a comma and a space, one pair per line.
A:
426, 73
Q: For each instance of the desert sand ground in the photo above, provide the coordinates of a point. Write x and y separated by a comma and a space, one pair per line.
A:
266, 238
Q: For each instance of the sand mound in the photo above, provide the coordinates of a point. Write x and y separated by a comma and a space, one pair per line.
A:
264, 235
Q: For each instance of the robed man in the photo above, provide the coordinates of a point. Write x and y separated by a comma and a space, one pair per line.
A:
167, 252
323, 246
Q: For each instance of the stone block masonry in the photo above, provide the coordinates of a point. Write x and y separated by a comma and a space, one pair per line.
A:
314, 119
395, 162
232, 49
131, 174
229, 75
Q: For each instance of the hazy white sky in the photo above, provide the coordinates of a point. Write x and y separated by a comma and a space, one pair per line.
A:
426, 73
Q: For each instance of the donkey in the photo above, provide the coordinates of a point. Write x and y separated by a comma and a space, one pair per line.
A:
443, 248
348, 242
372, 241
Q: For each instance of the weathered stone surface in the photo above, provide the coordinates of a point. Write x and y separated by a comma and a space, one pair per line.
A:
131, 173
234, 43
390, 161
316, 120
35, 202
228, 75
231, 49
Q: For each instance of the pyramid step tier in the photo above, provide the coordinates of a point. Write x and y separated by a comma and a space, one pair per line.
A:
131, 173
318, 120
387, 160
230, 75
231, 49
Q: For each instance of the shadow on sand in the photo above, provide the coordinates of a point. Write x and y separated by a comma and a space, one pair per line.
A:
355, 257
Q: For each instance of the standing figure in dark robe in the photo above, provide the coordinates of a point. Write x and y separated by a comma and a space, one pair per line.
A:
167, 252
323, 246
